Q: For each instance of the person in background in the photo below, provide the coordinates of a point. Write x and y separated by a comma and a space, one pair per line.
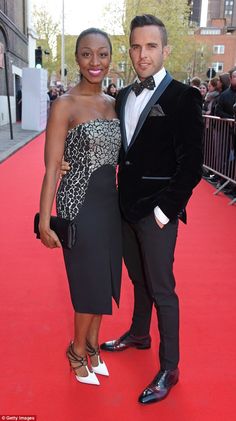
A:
227, 98
53, 94
112, 90
203, 89
19, 105
223, 82
225, 109
211, 97
195, 82
61, 91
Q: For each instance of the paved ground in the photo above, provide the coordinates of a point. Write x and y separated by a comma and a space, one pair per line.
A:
21, 137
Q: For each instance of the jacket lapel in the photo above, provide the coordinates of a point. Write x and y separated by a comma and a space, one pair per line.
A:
122, 117
158, 92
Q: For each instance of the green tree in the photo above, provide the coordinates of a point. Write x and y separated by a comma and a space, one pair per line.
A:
199, 58
47, 30
70, 63
175, 15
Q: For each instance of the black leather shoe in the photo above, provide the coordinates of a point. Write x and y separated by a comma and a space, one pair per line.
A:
160, 386
127, 341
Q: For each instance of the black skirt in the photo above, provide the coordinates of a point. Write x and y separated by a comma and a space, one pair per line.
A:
94, 264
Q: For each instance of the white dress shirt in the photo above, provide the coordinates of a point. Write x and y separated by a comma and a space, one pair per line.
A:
133, 109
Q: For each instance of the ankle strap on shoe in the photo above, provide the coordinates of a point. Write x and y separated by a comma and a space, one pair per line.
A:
75, 358
91, 350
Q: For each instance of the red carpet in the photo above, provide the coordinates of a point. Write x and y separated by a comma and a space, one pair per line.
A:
37, 317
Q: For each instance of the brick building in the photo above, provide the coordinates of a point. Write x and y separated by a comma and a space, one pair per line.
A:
221, 44
195, 11
216, 33
13, 40
222, 9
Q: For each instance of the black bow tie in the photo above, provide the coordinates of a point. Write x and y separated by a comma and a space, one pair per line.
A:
148, 83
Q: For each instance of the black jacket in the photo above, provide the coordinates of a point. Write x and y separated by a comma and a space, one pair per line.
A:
164, 162
227, 99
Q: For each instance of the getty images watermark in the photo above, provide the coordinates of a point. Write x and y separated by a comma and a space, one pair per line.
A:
18, 418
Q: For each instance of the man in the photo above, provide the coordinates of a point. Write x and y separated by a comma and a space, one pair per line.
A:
226, 108
160, 164
227, 99
195, 82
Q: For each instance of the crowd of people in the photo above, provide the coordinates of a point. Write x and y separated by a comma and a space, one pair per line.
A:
218, 94
219, 99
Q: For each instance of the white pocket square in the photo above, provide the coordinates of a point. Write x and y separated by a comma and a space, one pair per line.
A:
157, 111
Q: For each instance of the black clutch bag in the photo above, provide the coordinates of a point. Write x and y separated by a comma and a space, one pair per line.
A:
65, 230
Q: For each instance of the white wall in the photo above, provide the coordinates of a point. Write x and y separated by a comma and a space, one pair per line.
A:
4, 115
34, 99
31, 34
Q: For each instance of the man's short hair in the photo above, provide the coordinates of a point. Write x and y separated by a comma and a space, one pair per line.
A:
196, 81
148, 20
231, 71
214, 82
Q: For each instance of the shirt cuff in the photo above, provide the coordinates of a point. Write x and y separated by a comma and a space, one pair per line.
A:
161, 216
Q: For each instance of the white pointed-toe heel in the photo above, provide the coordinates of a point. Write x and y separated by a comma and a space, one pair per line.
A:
91, 378
74, 358
101, 368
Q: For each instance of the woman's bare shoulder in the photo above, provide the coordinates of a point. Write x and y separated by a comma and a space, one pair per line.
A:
110, 100
64, 104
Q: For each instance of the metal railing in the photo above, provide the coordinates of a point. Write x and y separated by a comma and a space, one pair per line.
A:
220, 149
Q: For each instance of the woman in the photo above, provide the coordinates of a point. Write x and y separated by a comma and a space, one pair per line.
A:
211, 97
83, 127
203, 90
112, 90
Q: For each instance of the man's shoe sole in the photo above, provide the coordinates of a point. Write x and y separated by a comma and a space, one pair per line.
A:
127, 347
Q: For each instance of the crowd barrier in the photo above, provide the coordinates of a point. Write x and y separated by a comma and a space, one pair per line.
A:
220, 149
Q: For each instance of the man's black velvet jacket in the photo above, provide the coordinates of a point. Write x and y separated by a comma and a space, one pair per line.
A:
163, 163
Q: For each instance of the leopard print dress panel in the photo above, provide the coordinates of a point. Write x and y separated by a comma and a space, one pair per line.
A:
88, 147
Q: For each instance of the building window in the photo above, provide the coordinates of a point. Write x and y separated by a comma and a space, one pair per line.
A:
218, 49
119, 83
106, 82
210, 31
218, 67
229, 5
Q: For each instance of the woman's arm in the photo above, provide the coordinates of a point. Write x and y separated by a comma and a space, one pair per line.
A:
56, 132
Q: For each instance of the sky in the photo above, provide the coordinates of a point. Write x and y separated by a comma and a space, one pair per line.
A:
79, 14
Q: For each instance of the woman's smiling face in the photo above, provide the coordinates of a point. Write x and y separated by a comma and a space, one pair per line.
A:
93, 56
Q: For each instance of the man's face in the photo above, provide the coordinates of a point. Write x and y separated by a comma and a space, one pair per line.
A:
233, 80
146, 51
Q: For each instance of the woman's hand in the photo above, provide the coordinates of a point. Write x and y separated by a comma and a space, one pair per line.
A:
65, 167
49, 238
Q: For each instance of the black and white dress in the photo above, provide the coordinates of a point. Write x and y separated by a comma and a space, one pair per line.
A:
88, 195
